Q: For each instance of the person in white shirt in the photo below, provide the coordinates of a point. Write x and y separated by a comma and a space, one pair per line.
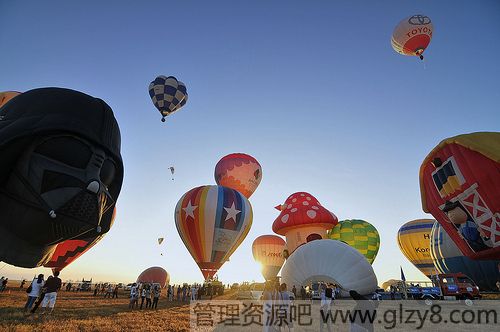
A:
193, 292
134, 296
36, 288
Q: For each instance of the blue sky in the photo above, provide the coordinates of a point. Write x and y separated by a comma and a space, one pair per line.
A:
311, 89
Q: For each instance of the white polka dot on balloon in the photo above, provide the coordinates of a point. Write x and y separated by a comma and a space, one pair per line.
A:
284, 219
289, 206
308, 198
311, 214
302, 195
305, 203
315, 207
294, 200
294, 210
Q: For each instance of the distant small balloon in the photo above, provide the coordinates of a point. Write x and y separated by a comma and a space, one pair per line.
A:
168, 94
240, 172
412, 35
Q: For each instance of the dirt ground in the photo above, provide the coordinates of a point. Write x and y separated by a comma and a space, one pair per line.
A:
81, 311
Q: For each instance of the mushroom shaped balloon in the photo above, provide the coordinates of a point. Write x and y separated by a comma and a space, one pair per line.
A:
268, 251
360, 235
212, 221
460, 187
239, 171
156, 275
303, 219
414, 242
412, 35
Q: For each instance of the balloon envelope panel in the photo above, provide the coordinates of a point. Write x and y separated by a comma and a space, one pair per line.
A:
448, 259
329, 261
414, 242
212, 221
360, 235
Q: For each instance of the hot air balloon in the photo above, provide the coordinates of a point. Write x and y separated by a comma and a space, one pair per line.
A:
460, 187
414, 242
303, 219
60, 173
160, 240
268, 251
412, 35
332, 262
168, 95
360, 235
239, 171
6, 96
212, 221
448, 259
172, 171
154, 274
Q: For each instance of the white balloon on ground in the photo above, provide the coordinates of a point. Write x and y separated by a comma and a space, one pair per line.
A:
329, 261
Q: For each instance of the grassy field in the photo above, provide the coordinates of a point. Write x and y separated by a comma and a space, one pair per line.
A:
84, 312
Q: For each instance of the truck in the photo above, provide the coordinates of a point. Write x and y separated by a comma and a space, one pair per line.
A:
448, 286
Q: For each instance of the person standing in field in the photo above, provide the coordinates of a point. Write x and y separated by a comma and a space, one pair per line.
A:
109, 290
156, 296
115, 292
22, 284
148, 296
193, 292
3, 286
52, 285
143, 295
36, 289
134, 295
178, 293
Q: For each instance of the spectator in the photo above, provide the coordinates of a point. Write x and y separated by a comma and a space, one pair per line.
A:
294, 291
184, 291
34, 293
22, 283
148, 296
4, 284
193, 293
52, 285
302, 293
134, 296
143, 295
156, 296
178, 292
109, 291
115, 292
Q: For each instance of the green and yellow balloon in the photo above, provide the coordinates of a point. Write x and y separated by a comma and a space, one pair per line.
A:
360, 235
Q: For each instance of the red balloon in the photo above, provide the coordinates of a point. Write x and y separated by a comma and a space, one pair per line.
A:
460, 187
154, 274
240, 172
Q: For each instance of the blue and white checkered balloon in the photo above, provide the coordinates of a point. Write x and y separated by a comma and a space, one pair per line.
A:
168, 94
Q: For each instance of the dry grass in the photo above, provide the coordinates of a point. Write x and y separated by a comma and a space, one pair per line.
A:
83, 312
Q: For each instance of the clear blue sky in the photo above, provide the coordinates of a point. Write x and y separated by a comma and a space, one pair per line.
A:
312, 89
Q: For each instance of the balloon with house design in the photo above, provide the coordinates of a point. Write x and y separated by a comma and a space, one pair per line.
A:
302, 219
460, 187
212, 221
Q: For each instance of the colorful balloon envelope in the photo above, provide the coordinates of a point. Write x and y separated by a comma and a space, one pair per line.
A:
212, 221
168, 94
412, 35
6, 96
460, 187
414, 242
268, 251
156, 275
68, 251
239, 171
360, 235
448, 259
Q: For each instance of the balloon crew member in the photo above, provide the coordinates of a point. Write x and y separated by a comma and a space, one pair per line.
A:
41, 297
34, 291
156, 296
53, 285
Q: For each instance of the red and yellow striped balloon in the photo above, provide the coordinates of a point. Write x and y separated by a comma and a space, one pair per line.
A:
268, 251
212, 221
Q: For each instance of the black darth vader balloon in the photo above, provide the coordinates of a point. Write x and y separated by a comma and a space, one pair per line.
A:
60, 172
